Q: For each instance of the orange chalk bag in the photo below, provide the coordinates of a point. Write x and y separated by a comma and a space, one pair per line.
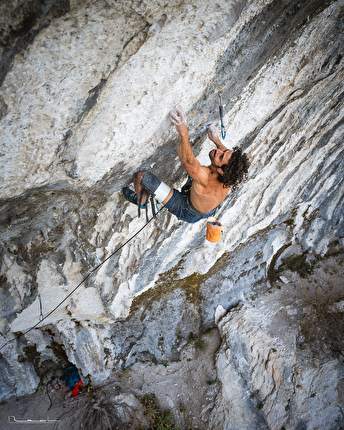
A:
214, 229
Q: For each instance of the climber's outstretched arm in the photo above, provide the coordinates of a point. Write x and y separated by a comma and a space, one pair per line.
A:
213, 136
185, 153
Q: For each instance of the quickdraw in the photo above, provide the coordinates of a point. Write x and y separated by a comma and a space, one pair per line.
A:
223, 131
41, 317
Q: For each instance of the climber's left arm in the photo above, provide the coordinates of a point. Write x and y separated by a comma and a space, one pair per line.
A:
213, 136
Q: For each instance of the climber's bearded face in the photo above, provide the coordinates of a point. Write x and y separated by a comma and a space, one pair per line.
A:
219, 158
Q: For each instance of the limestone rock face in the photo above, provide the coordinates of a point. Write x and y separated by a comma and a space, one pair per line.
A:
278, 361
84, 101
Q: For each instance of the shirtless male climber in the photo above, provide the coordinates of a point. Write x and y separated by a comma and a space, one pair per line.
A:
207, 186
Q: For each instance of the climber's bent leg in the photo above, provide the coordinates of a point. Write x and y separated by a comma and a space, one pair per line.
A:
147, 184
140, 192
154, 186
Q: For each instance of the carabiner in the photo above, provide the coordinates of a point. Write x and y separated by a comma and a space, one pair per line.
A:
41, 317
223, 131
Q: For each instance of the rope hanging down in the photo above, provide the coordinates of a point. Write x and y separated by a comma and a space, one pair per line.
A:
42, 318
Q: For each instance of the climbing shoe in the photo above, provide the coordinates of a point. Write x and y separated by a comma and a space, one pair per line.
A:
131, 196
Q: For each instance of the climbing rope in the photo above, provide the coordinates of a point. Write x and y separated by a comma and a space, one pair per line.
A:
42, 318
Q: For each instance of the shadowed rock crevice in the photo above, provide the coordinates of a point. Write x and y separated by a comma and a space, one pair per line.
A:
137, 40
68, 150
21, 24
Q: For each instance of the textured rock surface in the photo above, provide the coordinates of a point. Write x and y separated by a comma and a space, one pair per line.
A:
280, 361
86, 90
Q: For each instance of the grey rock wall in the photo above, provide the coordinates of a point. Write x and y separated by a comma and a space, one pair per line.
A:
86, 90
280, 359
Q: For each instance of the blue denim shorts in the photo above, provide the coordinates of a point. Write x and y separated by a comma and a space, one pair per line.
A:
180, 206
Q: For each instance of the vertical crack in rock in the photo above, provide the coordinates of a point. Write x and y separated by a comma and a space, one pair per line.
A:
67, 151
135, 42
3, 111
91, 99
138, 40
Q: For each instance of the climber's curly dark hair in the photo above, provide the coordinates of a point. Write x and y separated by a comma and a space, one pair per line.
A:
236, 170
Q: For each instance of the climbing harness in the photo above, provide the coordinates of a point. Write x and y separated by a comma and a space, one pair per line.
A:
223, 131
42, 318
186, 187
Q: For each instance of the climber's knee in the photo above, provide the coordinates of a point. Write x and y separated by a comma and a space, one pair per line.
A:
155, 186
139, 176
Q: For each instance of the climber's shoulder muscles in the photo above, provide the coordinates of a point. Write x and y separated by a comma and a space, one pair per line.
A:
199, 173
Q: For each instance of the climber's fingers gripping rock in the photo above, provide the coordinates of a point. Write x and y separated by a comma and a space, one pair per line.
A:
212, 132
178, 118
